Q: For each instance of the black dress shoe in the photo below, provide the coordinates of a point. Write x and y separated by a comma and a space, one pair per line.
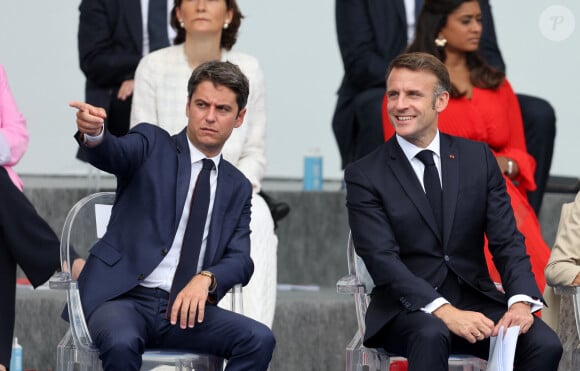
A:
279, 210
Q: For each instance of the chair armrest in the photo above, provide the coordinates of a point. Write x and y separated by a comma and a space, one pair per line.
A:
237, 299
566, 290
574, 292
60, 281
350, 284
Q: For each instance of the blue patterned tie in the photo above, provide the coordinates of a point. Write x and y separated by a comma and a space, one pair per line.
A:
432, 185
193, 236
157, 25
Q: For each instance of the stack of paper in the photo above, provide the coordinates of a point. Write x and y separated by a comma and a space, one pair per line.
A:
502, 349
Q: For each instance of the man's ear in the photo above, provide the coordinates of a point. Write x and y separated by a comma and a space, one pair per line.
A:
442, 101
240, 118
187, 107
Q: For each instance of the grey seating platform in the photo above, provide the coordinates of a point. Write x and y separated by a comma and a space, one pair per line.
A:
311, 328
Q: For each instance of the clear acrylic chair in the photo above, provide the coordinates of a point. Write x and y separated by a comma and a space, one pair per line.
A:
84, 225
359, 284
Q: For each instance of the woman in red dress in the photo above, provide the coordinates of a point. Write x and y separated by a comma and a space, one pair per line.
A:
482, 107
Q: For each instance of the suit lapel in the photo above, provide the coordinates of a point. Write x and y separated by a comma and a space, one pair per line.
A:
450, 175
183, 173
224, 190
408, 179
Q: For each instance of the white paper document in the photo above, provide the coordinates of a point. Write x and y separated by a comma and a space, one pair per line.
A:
502, 349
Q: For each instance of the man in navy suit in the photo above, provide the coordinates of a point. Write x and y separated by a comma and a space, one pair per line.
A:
127, 278
373, 32
433, 293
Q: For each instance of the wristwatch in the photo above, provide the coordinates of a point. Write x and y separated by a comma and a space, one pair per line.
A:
211, 276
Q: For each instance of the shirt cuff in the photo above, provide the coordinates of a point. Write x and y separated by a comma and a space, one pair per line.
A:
90, 140
434, 305
535, 304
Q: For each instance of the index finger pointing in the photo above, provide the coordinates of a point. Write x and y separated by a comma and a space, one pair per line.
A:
92, 110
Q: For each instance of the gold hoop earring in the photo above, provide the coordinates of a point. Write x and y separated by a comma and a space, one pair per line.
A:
440, 42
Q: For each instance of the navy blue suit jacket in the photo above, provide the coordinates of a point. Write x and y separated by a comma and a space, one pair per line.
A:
371, 33
396, 234
153, 172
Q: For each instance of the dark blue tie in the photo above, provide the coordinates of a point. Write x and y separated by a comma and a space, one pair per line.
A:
157, 25
418, 7
191, 246
432, 185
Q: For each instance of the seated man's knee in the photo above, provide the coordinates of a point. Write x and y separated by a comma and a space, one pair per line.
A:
435, 334
119, 342
436, 330
263, 338
257, 339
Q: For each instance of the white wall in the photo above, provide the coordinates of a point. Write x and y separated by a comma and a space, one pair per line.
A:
296, 44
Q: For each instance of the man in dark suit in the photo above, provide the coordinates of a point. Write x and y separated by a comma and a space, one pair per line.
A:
111, 41
126, 284
424, 247
370, 34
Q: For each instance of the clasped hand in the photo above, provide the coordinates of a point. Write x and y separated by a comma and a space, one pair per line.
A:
190, 302
474, 326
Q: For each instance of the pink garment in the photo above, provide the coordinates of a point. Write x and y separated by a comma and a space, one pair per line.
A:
12, 128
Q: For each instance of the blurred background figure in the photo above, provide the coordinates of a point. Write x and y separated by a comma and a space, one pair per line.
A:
207, 30
112, 37
482, 107
370, 34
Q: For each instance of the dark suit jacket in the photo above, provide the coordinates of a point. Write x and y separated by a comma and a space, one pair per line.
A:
395, 232
371, 33
153, 171
110, 42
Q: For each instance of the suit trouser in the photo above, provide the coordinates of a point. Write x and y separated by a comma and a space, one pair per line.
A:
540, 130
125, 326
27, 240
427, 342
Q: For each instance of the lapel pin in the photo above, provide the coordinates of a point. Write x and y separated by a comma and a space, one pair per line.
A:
452, 156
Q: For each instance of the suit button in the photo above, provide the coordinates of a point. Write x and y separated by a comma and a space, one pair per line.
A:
446, 258
141, 277
164, 252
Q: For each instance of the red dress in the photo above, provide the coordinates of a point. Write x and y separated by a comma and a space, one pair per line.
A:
493, 116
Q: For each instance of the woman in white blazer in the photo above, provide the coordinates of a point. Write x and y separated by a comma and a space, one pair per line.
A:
207, 30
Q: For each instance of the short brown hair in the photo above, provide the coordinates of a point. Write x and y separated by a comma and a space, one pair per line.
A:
423, 62
221, 73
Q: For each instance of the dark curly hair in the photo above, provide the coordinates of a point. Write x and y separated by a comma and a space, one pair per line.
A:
432, 19
229, 35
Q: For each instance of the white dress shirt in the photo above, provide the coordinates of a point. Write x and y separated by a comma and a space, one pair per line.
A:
162, 276
410, 16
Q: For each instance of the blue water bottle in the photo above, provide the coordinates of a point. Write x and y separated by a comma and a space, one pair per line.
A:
312, 180
16, 357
